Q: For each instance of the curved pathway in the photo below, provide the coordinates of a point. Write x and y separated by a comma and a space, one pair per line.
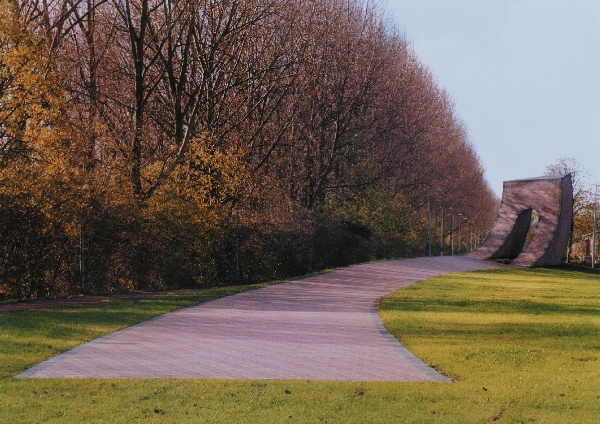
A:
320, 328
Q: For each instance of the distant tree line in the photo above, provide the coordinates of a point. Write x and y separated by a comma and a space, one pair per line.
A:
142, 124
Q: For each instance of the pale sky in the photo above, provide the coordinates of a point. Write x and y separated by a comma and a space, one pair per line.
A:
524, 76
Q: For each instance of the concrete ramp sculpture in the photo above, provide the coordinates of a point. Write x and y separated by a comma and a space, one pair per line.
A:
533, 224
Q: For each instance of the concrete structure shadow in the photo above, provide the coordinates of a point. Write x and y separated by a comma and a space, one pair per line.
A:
533, 224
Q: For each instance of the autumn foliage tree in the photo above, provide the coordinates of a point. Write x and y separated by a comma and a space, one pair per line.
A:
583, 198
37, 214
142, 123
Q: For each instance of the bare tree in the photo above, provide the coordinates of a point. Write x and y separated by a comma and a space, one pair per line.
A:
580, 178
582, 196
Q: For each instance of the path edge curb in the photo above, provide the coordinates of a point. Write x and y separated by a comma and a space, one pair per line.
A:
404, 352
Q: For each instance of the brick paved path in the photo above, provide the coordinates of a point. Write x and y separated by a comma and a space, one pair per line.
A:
320, 328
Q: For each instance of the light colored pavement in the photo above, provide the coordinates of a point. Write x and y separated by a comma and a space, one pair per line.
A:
319, 328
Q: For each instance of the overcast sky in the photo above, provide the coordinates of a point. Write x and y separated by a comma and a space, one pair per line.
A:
524, 76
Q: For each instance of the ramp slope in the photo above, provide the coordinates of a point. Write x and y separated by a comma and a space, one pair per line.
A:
533, 224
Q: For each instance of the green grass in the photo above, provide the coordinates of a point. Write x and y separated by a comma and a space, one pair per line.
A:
521, 345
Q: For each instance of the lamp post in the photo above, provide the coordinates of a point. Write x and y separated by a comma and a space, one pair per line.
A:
471, 243
442, 234
237, 212
442, 231
440, 202
83, 188
594, 229
429, 219
311, 223
462, 217
452, 232
82, 262
467, 239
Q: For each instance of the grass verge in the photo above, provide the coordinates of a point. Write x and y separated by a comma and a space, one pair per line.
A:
522, 346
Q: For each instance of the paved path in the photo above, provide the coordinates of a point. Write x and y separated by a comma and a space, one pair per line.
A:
320, 328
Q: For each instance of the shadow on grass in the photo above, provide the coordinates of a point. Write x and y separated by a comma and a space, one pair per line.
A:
491, 306
575, 269
504, 330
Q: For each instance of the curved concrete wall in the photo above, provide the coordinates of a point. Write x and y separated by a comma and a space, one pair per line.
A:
552, 198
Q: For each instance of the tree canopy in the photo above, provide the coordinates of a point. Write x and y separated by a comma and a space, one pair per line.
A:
142, 123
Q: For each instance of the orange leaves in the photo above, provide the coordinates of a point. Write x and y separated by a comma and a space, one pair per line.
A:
30, 103
209, 174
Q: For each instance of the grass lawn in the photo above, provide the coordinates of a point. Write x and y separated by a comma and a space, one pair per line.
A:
521, 345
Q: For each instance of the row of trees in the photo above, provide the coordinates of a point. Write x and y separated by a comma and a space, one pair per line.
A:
143, 123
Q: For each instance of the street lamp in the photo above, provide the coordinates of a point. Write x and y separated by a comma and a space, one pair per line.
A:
471, 243
82, 248
237, 212
429, 218
594, 229
442, 211
442, 231
452, 231
82, 260
311, 223
442, 234
467, 239
462, 217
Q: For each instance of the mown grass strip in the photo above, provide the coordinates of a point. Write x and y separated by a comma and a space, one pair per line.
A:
521, 346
